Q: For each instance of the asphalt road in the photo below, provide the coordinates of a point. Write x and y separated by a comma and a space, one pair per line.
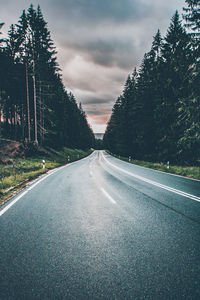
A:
101, 228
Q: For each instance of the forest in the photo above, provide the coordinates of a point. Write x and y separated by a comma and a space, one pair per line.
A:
35, 107
157, 117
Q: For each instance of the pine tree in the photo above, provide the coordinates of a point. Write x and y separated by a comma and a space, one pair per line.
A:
192, 16
149, 87
112, 137
177, 60
1, 25
125, 119
189, 106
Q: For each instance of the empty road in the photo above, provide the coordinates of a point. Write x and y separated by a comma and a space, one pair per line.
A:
101, 228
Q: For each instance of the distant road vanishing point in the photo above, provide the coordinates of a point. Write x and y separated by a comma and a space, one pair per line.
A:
101, 228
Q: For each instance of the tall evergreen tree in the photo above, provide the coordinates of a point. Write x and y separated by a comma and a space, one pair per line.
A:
192, 16
189, 107
113, 130
177, 60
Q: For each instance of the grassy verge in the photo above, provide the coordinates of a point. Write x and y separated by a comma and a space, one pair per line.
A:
188, 171
15, 175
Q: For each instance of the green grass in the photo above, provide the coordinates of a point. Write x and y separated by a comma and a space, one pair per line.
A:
19, 171
188, 171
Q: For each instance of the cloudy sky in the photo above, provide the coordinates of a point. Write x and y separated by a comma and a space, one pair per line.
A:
99, 42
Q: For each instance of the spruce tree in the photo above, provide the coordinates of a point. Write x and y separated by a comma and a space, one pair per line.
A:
112, 137
149, 87
192, 16
177, 60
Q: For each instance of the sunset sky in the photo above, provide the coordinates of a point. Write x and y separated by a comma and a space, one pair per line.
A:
99, 42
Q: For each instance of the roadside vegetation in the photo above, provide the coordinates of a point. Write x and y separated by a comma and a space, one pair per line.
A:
188, 171
17, 172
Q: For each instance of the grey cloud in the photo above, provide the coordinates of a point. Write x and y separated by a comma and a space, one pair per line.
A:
110, 52
96, 101
97, 113
96, 29
106, 51
105, 100
89, 12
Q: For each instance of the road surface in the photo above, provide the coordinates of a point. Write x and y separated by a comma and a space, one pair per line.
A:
101, 228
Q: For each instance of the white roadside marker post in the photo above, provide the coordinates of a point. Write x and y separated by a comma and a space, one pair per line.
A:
43, 164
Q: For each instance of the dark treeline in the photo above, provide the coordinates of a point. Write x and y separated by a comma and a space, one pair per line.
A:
157, 118
34, 105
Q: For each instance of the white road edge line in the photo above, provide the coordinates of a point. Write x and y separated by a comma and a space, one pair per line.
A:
165, 187
27, 190
108, 196
33, 185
